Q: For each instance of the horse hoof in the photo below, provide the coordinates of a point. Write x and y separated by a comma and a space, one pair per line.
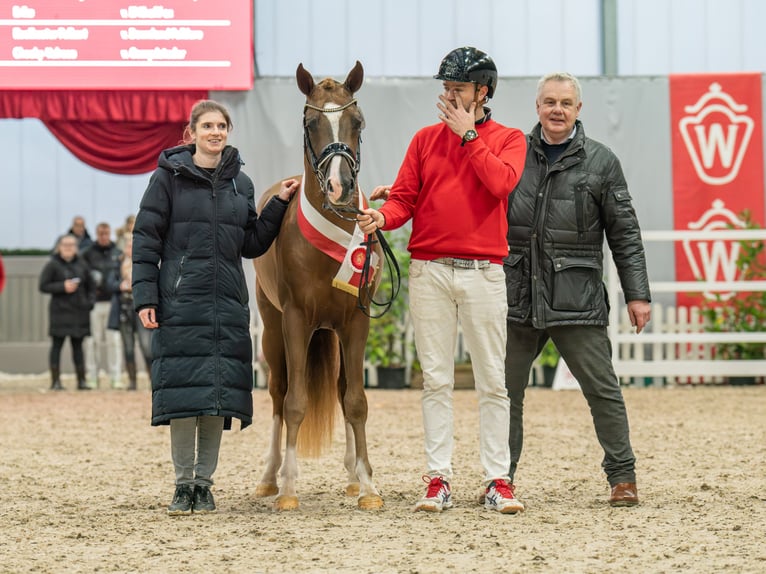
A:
264, 490
286, 503
370, 502
352, 489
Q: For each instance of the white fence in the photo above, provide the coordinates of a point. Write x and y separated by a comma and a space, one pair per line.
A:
675, 345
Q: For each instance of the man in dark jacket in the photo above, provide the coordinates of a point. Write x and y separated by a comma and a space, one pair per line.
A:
79, 230
102, 258
571, 194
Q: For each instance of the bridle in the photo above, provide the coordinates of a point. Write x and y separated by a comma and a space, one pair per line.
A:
319, 163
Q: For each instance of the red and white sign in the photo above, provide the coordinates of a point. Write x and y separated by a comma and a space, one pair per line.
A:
119, 44
717, 168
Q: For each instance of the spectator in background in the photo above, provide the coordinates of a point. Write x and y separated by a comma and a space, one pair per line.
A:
123, 318
102, 258
2, 274
66, 278
121, 233
80, 232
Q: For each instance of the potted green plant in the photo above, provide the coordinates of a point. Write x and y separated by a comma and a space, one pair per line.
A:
548, 359
387, 345
744, 312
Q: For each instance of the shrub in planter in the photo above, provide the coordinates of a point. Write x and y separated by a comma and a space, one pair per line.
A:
745, 311
387, 345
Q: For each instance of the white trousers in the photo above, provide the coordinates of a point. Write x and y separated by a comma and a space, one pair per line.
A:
440, 296
103, 342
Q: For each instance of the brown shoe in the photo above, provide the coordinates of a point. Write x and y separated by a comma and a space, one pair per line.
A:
624, 494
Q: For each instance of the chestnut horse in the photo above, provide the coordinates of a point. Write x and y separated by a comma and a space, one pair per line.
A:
314, 334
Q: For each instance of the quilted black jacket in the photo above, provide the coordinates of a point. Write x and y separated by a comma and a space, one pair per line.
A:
191, 232
558, 216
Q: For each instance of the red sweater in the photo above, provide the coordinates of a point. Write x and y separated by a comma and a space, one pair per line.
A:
456, 196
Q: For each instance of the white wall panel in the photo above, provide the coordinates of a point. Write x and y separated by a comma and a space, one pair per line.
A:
725, 51
409, 37
403, 40
367, 41
658, 37
687, 44
510, 36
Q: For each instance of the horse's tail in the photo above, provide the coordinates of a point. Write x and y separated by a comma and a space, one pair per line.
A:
322, 370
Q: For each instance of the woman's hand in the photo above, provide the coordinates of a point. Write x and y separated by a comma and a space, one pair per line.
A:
148, 316
288, 189
71, 285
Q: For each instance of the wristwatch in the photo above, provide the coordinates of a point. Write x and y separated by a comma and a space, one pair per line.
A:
469, 136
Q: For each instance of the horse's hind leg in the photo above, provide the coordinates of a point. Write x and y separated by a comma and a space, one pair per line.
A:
297, 336
274, 352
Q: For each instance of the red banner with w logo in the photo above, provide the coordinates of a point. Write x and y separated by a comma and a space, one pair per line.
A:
717, 141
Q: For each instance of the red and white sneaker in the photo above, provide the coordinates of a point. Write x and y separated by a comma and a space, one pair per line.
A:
499, 496
438, 495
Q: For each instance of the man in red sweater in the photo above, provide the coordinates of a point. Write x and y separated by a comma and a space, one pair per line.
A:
454, 184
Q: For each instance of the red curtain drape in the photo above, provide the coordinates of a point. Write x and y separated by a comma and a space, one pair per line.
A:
115, 131
117, 147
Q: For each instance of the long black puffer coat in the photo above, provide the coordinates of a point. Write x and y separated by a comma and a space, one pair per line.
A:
190, 235
68, 313
558, 216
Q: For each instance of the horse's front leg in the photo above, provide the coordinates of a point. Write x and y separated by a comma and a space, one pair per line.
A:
349, 462
355, 409
349, 458
268, 484
297, 336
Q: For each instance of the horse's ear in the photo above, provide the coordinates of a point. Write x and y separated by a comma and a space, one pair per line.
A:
305, 80
354, 79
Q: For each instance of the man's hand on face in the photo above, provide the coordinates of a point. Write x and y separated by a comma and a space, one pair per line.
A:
457, 118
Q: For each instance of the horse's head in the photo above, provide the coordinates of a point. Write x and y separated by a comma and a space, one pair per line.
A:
332, 125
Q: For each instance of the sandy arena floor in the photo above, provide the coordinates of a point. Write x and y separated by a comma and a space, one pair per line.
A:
85, 481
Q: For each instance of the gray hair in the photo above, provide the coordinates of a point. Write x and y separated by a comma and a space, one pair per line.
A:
560, 77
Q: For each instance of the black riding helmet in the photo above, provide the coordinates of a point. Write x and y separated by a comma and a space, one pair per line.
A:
469, 65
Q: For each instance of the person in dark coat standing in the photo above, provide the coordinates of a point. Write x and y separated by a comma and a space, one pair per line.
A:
103, 258
123, 318
65, 277
196, 221
571, 196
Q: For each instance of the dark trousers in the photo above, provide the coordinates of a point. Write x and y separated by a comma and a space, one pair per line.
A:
588, 354
132, 330
54, 356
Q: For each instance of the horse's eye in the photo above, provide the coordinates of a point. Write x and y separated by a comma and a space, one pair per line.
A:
311, 122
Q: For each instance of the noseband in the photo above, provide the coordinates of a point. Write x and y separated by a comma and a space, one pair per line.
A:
319, 163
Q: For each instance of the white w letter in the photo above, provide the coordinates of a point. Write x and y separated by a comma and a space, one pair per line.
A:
719, 258
716, 141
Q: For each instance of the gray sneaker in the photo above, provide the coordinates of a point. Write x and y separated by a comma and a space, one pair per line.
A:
203, 502
182, 501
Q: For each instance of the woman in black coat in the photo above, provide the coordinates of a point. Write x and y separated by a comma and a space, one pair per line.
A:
196, 221
73, 294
